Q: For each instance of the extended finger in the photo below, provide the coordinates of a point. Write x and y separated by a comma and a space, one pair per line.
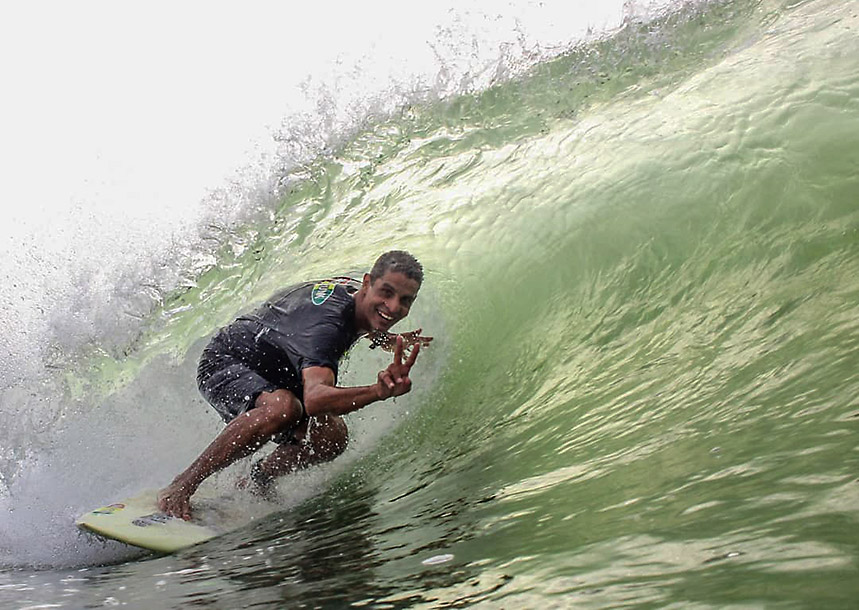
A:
398, 351
413, 356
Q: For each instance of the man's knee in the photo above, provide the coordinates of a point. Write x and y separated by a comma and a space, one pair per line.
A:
328, 436
280, 409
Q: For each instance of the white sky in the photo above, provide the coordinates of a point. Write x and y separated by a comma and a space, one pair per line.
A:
116, 119
132, 111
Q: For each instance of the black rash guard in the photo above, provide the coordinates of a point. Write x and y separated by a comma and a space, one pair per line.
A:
310, 324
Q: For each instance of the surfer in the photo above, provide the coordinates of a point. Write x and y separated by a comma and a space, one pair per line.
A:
272, 374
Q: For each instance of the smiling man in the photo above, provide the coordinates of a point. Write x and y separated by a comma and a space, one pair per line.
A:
272, 374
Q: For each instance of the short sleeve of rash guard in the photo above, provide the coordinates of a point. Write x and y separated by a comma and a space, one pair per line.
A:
326, 331
312, 324
325, 347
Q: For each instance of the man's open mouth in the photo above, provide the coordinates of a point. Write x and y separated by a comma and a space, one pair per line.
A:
385, 316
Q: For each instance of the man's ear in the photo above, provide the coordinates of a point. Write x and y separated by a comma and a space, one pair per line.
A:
366, 282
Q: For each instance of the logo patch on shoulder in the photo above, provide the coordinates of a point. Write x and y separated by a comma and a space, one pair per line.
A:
321, 292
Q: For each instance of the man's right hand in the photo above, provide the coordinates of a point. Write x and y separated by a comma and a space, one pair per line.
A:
175, 500
394, 380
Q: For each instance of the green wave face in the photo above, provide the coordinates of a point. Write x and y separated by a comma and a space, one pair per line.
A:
642, 274
643, 267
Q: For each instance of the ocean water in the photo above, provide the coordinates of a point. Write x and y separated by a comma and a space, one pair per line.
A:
640, 230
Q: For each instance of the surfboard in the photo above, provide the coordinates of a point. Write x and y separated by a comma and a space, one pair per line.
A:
137, 521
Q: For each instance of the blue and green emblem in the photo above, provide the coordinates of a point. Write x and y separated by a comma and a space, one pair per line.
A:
321, 292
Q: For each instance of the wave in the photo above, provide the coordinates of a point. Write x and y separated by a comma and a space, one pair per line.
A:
640, 257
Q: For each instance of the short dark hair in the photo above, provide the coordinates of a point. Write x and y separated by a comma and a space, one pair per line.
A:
398, 260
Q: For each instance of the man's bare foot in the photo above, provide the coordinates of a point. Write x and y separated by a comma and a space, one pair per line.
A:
175, 500
258, 484
247, 484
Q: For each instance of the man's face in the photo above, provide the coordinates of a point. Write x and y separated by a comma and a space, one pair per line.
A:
385, 301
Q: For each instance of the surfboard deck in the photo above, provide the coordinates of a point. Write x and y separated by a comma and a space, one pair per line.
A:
137, 521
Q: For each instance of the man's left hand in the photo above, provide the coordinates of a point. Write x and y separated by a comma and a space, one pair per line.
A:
387, 341
413, 338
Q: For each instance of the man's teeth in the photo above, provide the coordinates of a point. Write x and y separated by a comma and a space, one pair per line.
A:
385, 316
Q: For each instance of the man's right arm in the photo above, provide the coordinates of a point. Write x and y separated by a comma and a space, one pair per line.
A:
322, 396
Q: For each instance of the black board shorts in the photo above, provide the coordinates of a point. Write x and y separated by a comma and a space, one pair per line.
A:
231, 385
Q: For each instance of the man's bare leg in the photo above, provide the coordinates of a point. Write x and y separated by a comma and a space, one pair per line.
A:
273, 412
320, 439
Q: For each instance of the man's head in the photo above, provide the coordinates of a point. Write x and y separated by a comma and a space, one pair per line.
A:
388, 291
398, 260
